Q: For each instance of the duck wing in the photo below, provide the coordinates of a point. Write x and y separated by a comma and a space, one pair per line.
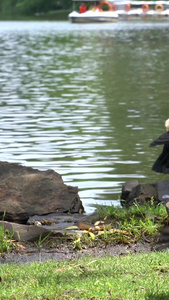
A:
161, 140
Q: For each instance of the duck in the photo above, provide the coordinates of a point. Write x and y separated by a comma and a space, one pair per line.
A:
161, 164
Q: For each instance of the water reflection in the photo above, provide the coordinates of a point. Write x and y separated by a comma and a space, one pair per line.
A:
84, 100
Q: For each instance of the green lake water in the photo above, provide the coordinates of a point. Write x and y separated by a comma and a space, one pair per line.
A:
85, 100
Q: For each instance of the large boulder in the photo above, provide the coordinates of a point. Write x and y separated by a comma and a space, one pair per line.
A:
25, 192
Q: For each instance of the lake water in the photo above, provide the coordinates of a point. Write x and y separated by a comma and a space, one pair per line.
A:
84, 100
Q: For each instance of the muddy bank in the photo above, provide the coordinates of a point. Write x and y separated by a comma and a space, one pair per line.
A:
30, 252
60, 244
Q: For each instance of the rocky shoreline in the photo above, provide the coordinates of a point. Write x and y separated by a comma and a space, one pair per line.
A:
59, 245
36, 206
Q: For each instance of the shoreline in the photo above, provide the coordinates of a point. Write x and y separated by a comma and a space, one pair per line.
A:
59, 246
51, 16
29, 252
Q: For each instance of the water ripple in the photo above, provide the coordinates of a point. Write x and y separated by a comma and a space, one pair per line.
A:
69, 101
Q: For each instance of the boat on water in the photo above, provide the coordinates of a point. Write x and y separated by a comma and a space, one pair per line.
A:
90, 11
144, 9
98, 11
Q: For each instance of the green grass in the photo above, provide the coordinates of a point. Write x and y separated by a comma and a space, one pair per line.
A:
148, 219
143, 276
134, 224
6, 242
136, 210
131, 277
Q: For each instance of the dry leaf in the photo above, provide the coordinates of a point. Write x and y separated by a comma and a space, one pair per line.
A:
21, 246
72, 227
92, 235
102, 225
92, 229
101, 232
119, 231
99, 223
59, 270
83, 226
11, 241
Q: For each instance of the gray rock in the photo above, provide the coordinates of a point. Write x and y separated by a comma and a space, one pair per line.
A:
126, 189
58, 221
21, 232
141, 194
25, 192
163, 191
162, 240
58, 225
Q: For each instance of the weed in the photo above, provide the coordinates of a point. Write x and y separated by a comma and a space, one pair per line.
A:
6, 242
39, 243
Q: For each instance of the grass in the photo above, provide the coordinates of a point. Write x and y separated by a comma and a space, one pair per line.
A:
134, 224
143, 276
131, 277
6, 243
39, 243
136, 210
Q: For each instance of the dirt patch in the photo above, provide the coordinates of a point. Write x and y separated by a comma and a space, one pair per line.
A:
29, 252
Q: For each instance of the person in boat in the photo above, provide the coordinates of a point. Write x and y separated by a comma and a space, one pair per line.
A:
82, 8
161, 165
